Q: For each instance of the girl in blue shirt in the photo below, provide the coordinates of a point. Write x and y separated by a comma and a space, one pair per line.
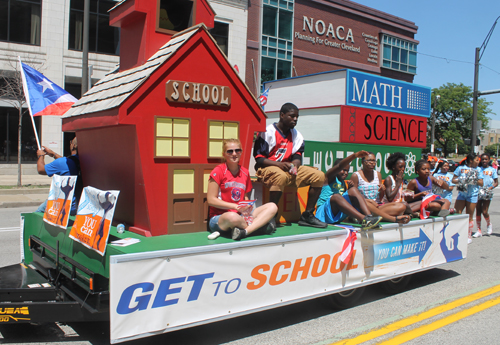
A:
490, 181
442, 172
468, 199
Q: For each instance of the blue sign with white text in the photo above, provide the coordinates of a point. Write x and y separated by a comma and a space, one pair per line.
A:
399, 250
375, 92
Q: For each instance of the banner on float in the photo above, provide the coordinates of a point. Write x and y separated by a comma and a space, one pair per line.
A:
59, 201
179, 288
377, 127
94, 217
322, 155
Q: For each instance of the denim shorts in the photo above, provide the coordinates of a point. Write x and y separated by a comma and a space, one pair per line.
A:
213, 224
472, 198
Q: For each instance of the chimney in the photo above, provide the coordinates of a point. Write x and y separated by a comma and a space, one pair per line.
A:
146, 25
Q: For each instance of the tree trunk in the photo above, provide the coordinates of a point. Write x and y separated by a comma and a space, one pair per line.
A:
19, 184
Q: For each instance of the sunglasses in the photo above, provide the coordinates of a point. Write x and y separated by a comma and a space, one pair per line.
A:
237, 151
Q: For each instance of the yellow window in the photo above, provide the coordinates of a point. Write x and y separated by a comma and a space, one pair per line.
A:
172, 137
217, 132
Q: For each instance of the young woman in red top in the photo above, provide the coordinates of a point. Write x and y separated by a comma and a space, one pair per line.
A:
228, 185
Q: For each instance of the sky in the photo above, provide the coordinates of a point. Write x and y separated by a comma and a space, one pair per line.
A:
449, 32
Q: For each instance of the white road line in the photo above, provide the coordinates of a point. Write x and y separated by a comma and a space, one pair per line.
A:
17, 228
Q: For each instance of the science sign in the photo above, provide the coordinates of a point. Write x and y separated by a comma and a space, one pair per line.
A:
375, 92
371, 126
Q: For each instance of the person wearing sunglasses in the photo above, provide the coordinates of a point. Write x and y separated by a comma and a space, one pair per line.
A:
228, 186
278, 154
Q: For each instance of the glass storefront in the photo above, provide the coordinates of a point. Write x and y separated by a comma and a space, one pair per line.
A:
9, 122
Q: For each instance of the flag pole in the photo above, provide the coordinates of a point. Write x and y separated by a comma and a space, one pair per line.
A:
27, 96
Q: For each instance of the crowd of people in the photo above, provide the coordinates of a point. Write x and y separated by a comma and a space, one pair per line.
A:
365, 199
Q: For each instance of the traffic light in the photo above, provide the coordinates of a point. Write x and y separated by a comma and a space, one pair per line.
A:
467, 141
478, 141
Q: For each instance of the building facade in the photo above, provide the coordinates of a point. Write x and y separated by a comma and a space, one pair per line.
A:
289, 38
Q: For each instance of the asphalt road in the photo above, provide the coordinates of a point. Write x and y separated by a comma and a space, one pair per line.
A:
439, 306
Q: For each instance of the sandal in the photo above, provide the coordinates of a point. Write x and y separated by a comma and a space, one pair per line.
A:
404, 219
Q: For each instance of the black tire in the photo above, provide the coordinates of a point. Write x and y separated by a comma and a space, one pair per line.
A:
396, 285
346, 299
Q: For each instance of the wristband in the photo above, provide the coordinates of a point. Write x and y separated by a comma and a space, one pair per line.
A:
40, 156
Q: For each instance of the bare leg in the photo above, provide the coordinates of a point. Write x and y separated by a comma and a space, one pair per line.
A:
312, 198
338, 203
459, 205
393, 208
355, 193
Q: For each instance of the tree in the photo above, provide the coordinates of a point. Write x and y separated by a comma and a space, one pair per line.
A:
491, 150
11, 91
453, 113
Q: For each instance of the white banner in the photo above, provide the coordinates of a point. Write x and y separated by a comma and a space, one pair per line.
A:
94, 217
59, 200
179, 288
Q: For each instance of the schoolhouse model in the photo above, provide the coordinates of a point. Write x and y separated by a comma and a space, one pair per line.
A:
153, 128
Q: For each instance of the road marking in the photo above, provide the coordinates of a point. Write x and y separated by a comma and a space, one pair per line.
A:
419, 317
10, 229
417, 332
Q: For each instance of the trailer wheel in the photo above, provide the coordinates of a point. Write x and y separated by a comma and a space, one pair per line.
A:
396, 285
346, 299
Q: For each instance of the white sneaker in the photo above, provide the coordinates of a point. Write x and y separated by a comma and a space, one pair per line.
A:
469, 241
489, 229
478, 234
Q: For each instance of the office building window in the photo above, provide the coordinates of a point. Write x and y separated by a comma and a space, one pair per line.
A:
20, 21
220, 33
399, 54
103, 38
175, 15
277, 44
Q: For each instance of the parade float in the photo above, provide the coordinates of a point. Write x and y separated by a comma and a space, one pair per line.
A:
149, 134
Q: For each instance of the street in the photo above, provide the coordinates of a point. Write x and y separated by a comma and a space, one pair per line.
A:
439, 306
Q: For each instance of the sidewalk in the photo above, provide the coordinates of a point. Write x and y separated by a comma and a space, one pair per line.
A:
34, 191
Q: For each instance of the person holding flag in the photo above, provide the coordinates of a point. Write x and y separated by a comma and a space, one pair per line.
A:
63, 166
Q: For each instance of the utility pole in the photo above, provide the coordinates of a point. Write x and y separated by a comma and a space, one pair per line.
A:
433, 125
85, 47
476, 92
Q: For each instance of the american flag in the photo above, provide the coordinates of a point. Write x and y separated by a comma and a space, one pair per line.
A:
263, 97
348, 246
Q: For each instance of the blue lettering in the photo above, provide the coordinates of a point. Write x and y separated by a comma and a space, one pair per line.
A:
142, 301
197, 284
164, 290
218, 286
237, 287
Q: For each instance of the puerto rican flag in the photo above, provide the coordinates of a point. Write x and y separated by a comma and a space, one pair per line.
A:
348, 246
43, 96
424, 214
263, 98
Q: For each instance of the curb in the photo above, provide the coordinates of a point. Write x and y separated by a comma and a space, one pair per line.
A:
12, 204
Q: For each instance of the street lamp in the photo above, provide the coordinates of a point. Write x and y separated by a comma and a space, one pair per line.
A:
433, 125
476, 93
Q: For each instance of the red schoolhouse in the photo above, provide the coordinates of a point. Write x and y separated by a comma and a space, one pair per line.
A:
153, 128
